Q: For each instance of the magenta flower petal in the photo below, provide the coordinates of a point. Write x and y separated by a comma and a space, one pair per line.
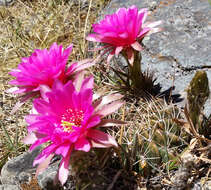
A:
41, 106
118, 50
130, 56
39, 142
77, 81
67, 120
110, 56
123, 30
102, 138
110, 108
64, 168
110, 122
30, 138
42, 67
43, 165
93, 121
44, 154
154, 24
36, 74
63, 149
96, 144
106, 100
79, 66
43, 90
137, 46
93, 38
88, 83
83, 145
143, 33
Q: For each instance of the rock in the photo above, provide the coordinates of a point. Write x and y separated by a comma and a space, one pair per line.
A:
24, 177
19, 169
6, 2
46, 178
203, 184
182, 47
9, 187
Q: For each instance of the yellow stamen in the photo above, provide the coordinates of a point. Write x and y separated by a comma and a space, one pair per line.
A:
67, 126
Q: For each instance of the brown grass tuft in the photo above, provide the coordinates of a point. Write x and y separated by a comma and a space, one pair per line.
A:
29, 25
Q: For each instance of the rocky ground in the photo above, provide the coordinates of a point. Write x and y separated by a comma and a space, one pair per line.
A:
184, 45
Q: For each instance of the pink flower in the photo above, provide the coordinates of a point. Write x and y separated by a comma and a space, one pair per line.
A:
43, 67
123, 30
68, 119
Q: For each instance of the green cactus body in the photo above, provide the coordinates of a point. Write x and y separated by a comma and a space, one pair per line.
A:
157, 137
197, 94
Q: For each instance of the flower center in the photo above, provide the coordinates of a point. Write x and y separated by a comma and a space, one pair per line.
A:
71, 118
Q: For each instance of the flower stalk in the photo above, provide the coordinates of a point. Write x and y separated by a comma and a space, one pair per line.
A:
135, 73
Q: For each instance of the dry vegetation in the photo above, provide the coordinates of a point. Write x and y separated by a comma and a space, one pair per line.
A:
152, 144
29, 25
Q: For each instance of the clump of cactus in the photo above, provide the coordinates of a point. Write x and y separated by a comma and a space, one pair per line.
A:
151, 142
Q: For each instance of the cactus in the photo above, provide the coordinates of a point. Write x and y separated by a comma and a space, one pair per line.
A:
85, 168
154, 136
197, 95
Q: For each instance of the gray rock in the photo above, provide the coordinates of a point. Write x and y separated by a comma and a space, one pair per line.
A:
24, 177
182, 47
9, 187
19, 169
46, 178
6, 2
202, 185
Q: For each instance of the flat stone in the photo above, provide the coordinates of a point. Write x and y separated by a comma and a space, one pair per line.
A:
182, 47
9, 187
19, 169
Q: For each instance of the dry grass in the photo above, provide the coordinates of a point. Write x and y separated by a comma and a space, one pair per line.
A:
36, 24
